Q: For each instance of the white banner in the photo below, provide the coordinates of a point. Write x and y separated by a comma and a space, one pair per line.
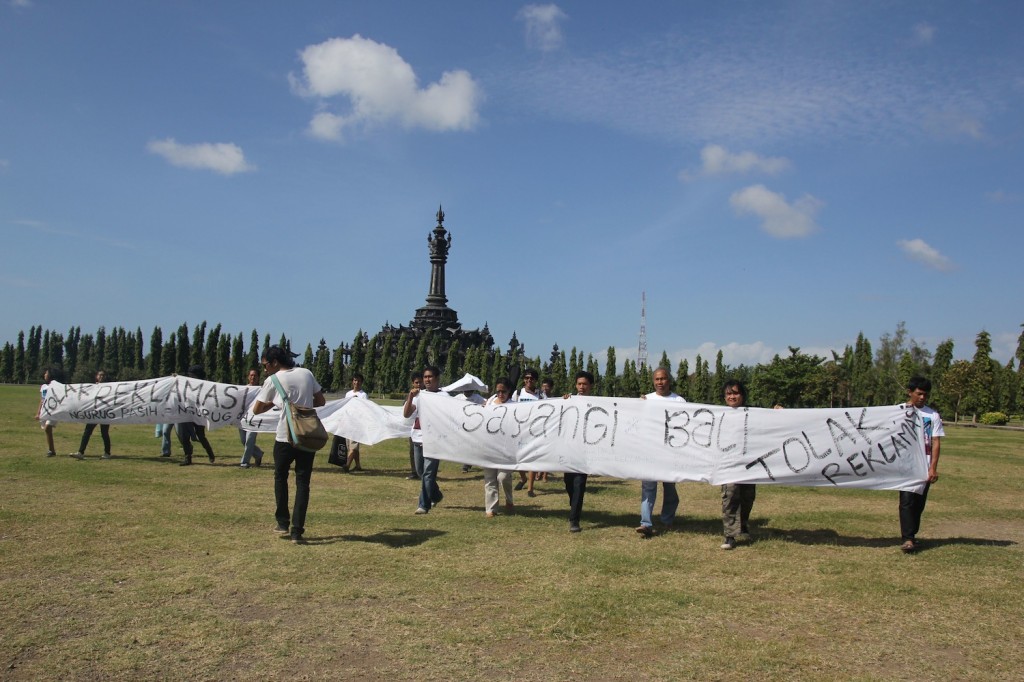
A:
879, 448
172, 400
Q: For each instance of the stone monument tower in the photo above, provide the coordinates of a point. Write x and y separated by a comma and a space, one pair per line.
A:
436, 314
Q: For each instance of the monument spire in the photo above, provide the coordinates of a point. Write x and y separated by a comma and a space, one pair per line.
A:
436, 313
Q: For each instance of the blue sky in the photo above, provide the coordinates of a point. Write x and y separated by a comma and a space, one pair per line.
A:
770, 174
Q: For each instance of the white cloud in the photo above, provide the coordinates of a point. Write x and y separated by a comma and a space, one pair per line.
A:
924, 33
920, 251
380, 87
223, 158
950, 124
778, 218
4, 164
21, 3
717, 160
543, 29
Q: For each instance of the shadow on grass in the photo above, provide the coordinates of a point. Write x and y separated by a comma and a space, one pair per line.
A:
393, 537
827, 536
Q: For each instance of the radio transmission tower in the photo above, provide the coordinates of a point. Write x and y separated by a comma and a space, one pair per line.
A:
641, 351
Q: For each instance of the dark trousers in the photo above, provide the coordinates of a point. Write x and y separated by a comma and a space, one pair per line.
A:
576, 487
185, 431
911, 508
204, 441
284, 455
87, 434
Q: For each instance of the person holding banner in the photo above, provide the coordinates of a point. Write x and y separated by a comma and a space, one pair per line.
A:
430, 493
495, 477
576, 484
737, 498
190, 431
353, 447
415, 468
250, 451
528, 392
302, 390
101, 376
649, 489
49, 374
911, 503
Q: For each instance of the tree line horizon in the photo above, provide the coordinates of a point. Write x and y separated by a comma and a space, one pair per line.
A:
857, 377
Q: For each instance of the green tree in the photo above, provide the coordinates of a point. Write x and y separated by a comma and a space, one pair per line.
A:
211, 356
239, 369
19, 359
224, 373
183, 352
452, 367
338, 367
980, 397
322, 367
7, 364
701, 387
795, 381
71, 350
956, 383
610, 386
252, 357
862, 376
198, 354
683, 379
169, 358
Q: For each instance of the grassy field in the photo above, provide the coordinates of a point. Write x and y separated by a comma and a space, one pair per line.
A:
135, 568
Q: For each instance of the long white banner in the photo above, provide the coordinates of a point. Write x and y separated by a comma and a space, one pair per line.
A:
875, 447
172, 400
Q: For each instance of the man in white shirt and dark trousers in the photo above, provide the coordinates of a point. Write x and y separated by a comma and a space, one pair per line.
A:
304, 391
912, 504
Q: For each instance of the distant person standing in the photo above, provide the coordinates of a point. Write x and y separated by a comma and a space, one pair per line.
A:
576, 484
101, 376
356, 391
430, 493
49, 374
912, 504
737, 498
251, 451
303, 390
649, 489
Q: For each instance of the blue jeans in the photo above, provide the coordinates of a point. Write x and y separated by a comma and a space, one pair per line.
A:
284, 455
251, 451
165, 434
649, 495
417, 458
430, 494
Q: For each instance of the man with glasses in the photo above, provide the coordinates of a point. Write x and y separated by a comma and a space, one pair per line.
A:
430, 493
528, 392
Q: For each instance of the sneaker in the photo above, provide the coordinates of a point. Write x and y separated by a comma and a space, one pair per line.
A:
212, 459
77, 455
574, 528
282, 530
244, 465
51, 453
908, 547
106, 455
520, 485
730, 543
186, 463
421, 510
530, 493
645, 531
298, 539
259, 462
465, 468
412, 477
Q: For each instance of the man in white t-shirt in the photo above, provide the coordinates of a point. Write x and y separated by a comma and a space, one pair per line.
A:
649, 489
430, 493
528, 392
912, 504
353, 447
303, 390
